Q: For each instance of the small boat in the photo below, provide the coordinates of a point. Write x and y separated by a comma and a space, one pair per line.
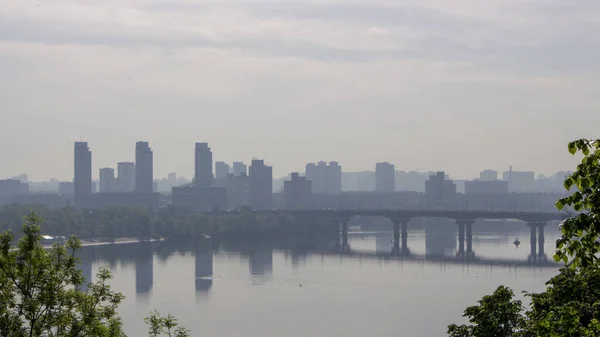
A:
517, 242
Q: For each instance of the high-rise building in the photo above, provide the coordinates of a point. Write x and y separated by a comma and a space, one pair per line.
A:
261, 185
221, 170
385, 177
325, 179
107, 180
239, 168
297, 192
203, 173
519, 181
488, 175
144, 171
439, 191
126, 177
82, 179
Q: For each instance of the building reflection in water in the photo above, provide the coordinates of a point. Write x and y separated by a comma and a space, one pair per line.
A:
440, 238
86, 257
203, 270
298, 258
144, 269
261, 266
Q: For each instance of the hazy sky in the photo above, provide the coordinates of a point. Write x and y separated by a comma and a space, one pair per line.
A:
459, 85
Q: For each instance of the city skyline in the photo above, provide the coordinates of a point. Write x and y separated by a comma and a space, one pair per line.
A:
423, 84
278, 175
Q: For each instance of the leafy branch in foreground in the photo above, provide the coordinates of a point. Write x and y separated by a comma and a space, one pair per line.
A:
579, 244
40, 291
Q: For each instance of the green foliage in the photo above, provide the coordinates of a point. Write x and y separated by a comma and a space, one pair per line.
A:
570, 306
40, 291
579, 244
158, 325
496, 315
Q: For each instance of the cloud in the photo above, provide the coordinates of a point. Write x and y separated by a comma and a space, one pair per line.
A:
377, 31
313, 74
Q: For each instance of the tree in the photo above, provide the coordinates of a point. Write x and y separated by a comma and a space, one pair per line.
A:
496, 315
40, 291
579, 244
570, 306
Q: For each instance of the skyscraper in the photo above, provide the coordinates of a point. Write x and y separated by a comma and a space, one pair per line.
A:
203, 173
107, 180
239, 168
221, 170
325, 179
261, 185
385, 177
144, 175
82, 179
126, 177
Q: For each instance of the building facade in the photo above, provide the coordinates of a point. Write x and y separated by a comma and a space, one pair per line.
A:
297, 193
82, 180
144, 168
483, 187
125, 177
439, 191
239, 168
261, 185
325, 178
107, 180
385, 177
203, 161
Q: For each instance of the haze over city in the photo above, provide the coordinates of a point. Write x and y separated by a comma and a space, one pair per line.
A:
428, 85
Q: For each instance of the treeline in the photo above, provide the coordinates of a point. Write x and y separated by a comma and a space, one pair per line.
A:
127, 222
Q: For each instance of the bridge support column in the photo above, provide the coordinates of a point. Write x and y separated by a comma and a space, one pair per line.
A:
461, 238
396, 247
541, 240
470, 237
345, 234
405, 250
533, 240
462, 223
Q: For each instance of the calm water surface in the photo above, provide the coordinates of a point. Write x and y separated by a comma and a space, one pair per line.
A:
257, 291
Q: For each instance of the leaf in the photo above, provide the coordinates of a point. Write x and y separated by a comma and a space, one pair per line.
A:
572, 148
557, 256
568, 183
559, 204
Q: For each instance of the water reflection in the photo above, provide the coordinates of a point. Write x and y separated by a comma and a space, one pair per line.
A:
144, 269
203, 266
261, 266
86, 257
308, 273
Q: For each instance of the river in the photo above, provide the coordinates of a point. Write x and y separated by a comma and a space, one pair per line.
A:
240, 289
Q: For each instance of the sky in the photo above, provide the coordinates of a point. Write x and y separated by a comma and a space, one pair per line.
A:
427, 85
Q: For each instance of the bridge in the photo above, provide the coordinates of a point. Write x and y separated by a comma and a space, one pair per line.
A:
401, 217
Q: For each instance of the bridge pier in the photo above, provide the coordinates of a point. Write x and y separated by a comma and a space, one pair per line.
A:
533, 240
537, 240
396, 247
405, 250
541, 239
461, 239
462, 223
345, 234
